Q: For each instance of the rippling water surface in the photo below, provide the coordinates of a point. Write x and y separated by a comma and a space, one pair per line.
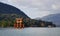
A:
30, 32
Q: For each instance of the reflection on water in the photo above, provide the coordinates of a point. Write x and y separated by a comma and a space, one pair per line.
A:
30, 32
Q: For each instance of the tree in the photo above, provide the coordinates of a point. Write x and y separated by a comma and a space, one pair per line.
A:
3, 23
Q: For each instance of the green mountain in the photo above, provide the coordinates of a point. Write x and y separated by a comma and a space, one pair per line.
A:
8, 14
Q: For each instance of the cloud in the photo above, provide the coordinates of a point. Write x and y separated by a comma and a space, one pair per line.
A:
33, 12
36, 8
56, 6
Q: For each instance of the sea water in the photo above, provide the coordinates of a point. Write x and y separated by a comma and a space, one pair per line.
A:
30, 32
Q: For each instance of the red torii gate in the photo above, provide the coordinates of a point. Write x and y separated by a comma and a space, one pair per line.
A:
19, 23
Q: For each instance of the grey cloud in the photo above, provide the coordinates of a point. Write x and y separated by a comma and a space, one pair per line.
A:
36, 6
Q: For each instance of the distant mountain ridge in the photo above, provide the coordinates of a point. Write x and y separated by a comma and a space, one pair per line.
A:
55, 18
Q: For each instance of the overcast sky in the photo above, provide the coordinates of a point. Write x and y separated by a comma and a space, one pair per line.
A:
36, 8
